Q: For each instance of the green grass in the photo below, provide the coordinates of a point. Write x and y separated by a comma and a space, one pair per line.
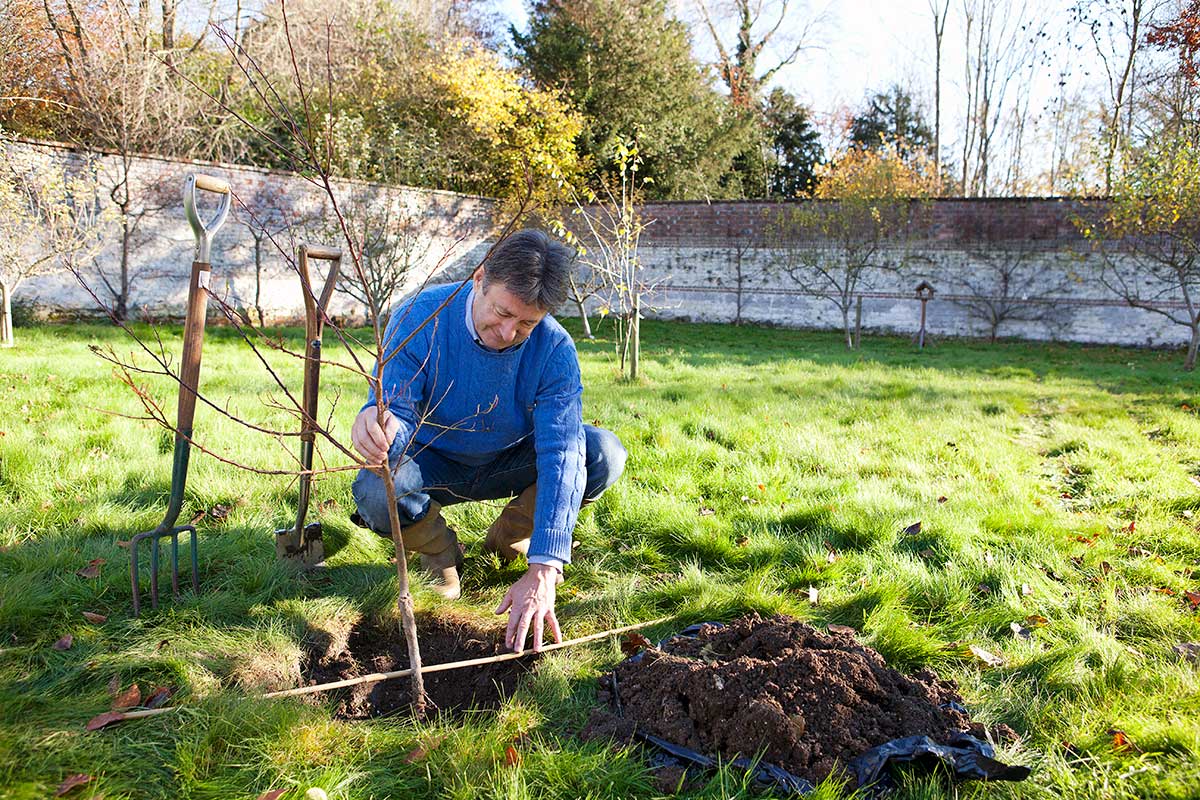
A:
1024, 464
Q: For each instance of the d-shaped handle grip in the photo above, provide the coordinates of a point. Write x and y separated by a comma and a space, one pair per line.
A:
315, 304
205, 231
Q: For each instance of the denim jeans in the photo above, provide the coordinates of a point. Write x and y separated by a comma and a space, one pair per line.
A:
427, 475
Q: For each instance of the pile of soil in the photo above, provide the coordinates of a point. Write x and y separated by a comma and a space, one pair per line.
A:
371, 649
810, 702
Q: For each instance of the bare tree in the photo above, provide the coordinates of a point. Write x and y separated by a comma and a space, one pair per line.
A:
1002, 38
1010, 282
940, 10
758, 28
272, 217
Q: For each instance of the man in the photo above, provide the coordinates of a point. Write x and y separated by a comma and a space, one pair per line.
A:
485, 402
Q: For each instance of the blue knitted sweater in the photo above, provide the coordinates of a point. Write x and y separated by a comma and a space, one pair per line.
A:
469, 403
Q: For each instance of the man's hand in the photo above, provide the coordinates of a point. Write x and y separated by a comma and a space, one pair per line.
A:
531, 600
370, 439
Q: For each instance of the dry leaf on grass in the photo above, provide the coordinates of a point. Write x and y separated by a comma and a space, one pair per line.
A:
64, 643
72, 781
94, 618
272, 794
1026, 590
814, 596
512, 756
423, 749
1036, 621
991, 659
1121, 741
1193, 599
130, 698
1019, 630
912, 530
92, 570
159, 697
1188, 651
219, 512
705, 511
104, 720
845, 630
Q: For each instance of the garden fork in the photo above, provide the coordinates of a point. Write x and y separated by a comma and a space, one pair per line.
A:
189, 382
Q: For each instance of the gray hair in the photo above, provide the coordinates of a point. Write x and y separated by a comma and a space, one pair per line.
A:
533, 266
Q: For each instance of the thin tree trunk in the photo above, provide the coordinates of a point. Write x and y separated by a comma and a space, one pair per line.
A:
408, 620
583, 315
845, 308
1189, 363
258, 265
122, 299
636, 352
6, 331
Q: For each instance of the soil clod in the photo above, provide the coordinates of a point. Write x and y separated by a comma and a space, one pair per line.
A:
807, 701
371, 649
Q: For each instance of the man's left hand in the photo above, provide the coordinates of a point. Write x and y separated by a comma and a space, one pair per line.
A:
531, 601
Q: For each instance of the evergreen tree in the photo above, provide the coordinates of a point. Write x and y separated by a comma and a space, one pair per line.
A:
628, 68
892, 115
795, 145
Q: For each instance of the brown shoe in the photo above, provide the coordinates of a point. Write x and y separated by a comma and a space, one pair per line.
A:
508, 537
438, 545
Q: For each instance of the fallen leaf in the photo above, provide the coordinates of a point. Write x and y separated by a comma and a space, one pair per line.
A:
634, 643
512, 757
123, 544
1121, 741
1105, 567
158, 697
912, 530
705, 511
1189, 651
219, 512
943, 499
1137, 551
1088, 540
991, 659
1019, 630
1036, 621
927, 553
813, 595
1195, 481
104, 720
328, 504
1026, 590
1193, 599
64, 643
742, 540
72, 781
1130, 527
762, 488
130, 698
114, 686
92, 570
845, 630
199, 515
162, 643
983, 588
94, 618
423, 749
272, 794
1169, 592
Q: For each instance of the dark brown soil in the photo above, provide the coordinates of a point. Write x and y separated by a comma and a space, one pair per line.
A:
372, 649
808, 701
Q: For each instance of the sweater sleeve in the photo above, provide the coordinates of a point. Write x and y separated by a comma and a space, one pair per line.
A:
404, 370
559, 442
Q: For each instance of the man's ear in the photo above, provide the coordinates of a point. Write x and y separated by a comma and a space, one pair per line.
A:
477, 277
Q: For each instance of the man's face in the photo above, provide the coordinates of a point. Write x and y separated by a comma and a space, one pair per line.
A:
501, 318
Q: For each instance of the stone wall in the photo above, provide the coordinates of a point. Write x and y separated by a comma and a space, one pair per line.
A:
713, 262
728, 261
447, 234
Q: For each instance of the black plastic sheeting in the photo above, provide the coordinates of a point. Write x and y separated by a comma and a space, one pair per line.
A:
966, 757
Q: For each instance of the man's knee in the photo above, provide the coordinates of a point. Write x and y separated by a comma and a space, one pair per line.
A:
605, 460
370, 498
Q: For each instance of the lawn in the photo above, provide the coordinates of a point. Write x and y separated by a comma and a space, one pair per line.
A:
1056, 487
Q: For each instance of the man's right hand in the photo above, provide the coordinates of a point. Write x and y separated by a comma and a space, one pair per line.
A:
370, 439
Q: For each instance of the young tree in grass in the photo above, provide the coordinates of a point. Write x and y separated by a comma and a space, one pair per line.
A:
856, 225
612, 230
1010, 282
1149, 235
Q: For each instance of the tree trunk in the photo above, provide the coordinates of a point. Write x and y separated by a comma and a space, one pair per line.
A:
121, 306
6, 331
258, 265
583, 315
1189, 363
408, 620
845, 308
636, 337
